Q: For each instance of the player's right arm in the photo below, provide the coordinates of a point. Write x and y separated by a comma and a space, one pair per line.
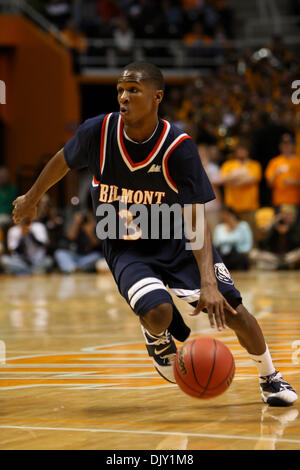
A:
81, 151
54, 171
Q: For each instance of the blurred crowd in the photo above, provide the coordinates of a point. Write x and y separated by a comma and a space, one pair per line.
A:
247, 233
144, 18
205, 28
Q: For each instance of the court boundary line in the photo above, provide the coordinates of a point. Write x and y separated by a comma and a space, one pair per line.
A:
157, 433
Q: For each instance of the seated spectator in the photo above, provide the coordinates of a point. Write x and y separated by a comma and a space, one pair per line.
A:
241, 176
263, 219
84, 247
123, 38
27, 244
172, 18
283, 174
8, 193
47, 215
233, 239
280, 247
197, 42
212, 208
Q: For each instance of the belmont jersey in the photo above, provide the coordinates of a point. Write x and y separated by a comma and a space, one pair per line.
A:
164, 170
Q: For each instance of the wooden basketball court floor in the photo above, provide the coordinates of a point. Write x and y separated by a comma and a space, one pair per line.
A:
75, 373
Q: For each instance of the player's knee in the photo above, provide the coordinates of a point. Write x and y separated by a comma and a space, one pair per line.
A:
159, 318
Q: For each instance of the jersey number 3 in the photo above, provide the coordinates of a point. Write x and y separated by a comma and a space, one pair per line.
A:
132, 231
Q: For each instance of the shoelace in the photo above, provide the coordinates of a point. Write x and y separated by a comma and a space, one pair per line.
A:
161, 340
275, 377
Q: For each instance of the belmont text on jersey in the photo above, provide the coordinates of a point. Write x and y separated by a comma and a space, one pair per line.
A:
112, 193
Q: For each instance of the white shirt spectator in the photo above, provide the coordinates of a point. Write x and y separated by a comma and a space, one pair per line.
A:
34, 250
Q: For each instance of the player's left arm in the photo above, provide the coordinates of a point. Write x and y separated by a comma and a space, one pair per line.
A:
201, 243
194, 190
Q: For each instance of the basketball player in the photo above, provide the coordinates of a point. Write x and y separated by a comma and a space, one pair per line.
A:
139, 159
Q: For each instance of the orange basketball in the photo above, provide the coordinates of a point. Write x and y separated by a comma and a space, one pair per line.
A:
204, 367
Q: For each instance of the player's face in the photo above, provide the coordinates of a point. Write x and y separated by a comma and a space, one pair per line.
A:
138, 98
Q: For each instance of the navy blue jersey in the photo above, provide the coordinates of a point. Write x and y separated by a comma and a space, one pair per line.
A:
164, 170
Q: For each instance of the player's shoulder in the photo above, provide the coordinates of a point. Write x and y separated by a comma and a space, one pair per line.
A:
180, 140
95, 123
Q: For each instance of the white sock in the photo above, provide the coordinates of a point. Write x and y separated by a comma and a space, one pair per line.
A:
264, 363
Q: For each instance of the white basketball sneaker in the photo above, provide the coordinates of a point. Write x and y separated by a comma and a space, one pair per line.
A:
163, 350
275, 391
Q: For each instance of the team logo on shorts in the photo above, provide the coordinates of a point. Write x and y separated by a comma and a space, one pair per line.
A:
223, 274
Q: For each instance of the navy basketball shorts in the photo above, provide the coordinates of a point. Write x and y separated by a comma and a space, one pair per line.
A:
145, 281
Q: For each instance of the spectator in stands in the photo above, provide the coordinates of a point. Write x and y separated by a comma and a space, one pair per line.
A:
281, 52
192, 9
266, 137
8, 193
197, 42
86, 18
226, 16
173, 19
48, 215
283, 174
27, 246
109, 11
58, 12
124, 39
241, 176
280, 246
210, 16
145, 17
207, 152
84, 249
233, 239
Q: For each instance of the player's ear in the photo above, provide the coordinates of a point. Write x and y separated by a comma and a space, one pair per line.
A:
159, 96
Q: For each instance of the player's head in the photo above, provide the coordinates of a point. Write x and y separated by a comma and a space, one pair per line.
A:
140, 90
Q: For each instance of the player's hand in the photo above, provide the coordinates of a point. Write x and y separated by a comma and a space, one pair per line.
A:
213, 301
23, 208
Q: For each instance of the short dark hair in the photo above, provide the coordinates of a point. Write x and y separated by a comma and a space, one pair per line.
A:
150, 72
